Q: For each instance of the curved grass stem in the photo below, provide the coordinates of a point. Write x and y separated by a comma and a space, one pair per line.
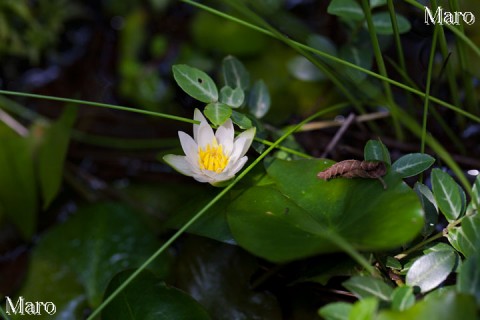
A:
98, 104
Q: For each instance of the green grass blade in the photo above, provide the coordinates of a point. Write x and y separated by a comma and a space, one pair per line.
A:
98, 104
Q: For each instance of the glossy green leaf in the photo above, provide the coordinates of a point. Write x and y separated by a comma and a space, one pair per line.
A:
148, 298
367, 286
219, 277
195, 83
364, 309
402, 298
18, 195
241, 120
87, 251
383, 23
445, 306
217, 113
468, 280
335, 311
259, 99
430, 270
301, 215
476, 191
232, 97
51, 155
447, 194
234, 73
412, 164
466, 237
429, 206
375, 150
347, 9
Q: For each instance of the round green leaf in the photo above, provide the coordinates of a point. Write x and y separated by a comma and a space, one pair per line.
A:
375, 150
383, 23
147, 298
364, 287
429, 206
259, 100
300, 215
447, 194
234, 73
412, 164
195, 83
217, 113
347, 9
232, 97
430, 270
364, 309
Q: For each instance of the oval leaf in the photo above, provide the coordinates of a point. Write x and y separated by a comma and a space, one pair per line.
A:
335, 311
300, 215
375, 150
466, 238
234, 73
412, 164
259, 100
447, 194
445, 306
383, 23
232, 97
364, 287
402, 298
430, 270
147, 297
429, 206
195, 83
347, 9
469, 277
217, 113
241, 120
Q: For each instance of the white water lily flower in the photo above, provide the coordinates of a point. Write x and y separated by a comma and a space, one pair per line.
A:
209, 157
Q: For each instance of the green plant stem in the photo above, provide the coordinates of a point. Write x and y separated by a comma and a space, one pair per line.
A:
427, 89
343, 62
98, 104
420, 245
286, 149
398, 44
383, 70
360, 259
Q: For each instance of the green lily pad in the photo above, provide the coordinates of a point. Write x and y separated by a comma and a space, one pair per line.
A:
300, 215
73, 262
147, 298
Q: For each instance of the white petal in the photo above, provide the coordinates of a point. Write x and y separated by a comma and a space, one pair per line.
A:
224, 135
179, 163
237, 165
197, 115
202, 178
242, 143
205, 135
188, 145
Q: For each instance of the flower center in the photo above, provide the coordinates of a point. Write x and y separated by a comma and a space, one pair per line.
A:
212, 158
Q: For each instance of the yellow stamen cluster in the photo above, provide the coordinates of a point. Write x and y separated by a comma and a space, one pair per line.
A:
212, 158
